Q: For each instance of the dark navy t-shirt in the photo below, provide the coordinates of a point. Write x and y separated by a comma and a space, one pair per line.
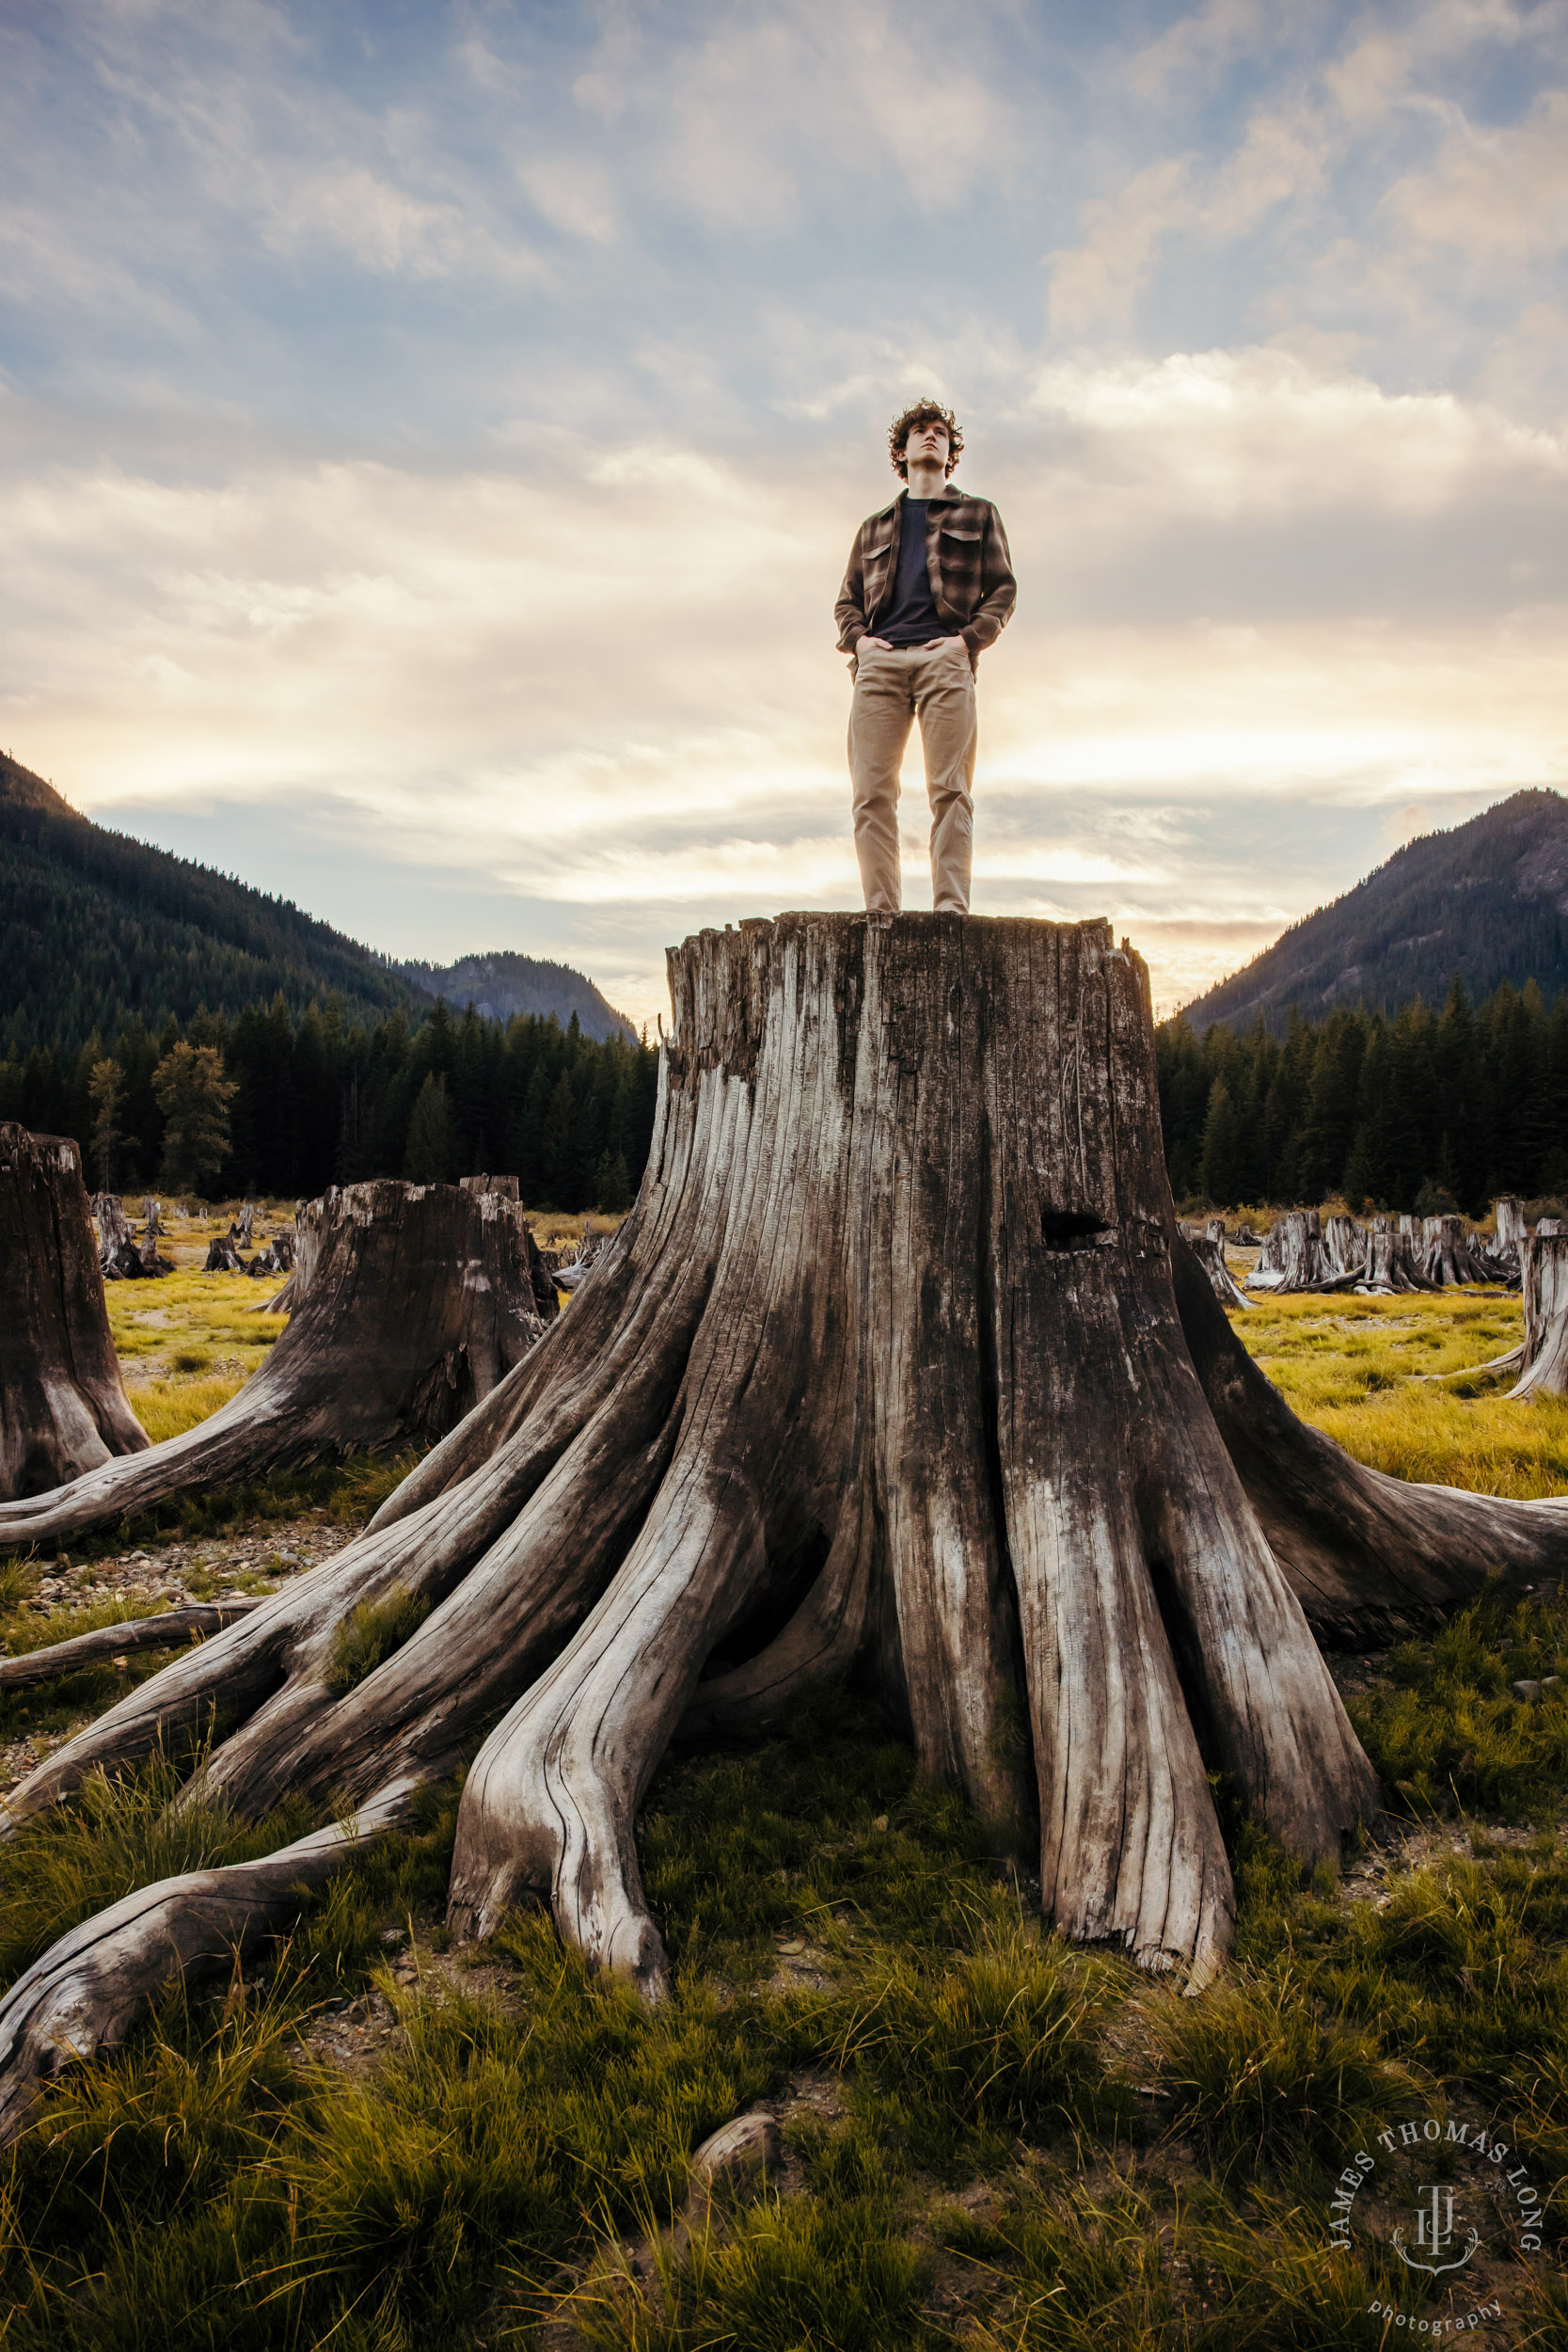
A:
911, 618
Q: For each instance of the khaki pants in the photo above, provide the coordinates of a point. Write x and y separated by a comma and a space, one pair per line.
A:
891, 688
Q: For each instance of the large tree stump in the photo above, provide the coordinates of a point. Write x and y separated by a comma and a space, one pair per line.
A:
63, 1406
899, 1368
413, 1300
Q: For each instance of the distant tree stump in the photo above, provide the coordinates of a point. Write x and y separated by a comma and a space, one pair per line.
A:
1447, 1256
1344, 1248
1294, 1259
1208, 1247
1391, 1262
898, 1369
63, 1406
413, 1302
1500, 1255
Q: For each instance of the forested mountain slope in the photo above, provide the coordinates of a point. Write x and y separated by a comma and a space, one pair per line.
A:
501, 985
1487, 902
97, 929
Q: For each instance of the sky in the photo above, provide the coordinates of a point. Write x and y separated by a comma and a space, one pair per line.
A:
432, 436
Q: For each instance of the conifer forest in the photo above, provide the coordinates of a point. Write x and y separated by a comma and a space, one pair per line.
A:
1427, 1110
320, 1099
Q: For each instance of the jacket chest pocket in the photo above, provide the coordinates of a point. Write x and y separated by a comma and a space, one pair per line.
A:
968, 540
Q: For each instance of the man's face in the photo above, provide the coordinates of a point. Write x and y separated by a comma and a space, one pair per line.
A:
926, 445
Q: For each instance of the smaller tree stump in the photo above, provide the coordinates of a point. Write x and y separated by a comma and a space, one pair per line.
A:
1392, 1265
1209, 1249
505, 1186
1544, 1264
413, 1300
63, 1406
1294, 1259
1446, 1255
1344, 1247
1500, 1255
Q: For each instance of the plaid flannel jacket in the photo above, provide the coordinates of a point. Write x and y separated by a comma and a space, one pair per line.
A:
966, 558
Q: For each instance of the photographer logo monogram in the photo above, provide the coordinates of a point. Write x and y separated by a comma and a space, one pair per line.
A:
1441, 2229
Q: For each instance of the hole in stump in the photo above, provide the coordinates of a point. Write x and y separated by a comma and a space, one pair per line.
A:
1071, 1229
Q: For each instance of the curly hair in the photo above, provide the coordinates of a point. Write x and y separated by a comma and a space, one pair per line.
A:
923, 412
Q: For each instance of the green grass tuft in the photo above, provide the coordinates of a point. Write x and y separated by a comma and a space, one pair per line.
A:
370, 1634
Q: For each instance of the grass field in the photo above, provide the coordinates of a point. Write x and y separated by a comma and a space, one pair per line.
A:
384, 2139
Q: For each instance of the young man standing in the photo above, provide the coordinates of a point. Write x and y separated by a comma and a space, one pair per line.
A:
929, 585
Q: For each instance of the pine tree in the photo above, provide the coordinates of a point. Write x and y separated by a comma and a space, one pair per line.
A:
1224, 1149
106, 1093
612, 1183
193, 1096
432, 1135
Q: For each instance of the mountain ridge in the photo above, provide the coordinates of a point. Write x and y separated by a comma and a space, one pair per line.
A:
98, 929
501, 982
1485, 902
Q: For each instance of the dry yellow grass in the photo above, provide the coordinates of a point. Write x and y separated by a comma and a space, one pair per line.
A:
1351, 1367
187, 1342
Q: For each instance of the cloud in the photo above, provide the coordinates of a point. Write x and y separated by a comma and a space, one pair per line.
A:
601, 677
429, 439
1494, 192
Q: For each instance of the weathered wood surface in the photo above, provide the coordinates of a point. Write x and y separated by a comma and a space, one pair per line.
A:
505, 1186
1294, 1259
169, 1630
1500, 1255
1392, 1265
88, 1991
1208, 1247
63, 1406
899, 1366
1446, 1254
1344, 1247
415, 1300
1544, 1269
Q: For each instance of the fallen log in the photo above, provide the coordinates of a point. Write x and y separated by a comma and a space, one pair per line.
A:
891, 1371
63, 1406
171, 1630
417, 1299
